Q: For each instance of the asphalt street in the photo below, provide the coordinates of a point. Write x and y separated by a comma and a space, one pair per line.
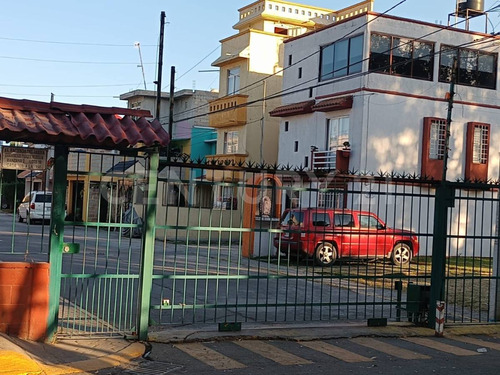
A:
361, 355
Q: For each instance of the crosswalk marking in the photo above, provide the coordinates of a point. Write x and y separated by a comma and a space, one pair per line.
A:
209, 357
474, 341
335, 351
441, 346
273, 353
388, 348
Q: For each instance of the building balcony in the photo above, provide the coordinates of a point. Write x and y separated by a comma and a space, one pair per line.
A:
228, 111
230, 162
331, 160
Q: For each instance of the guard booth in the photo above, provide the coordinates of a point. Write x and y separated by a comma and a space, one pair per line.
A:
79, 275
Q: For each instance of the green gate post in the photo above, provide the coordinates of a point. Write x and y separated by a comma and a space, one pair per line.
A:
445, 196
57, 236
147, 255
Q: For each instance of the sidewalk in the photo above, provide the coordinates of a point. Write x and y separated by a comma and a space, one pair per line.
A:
76, 356
65, 357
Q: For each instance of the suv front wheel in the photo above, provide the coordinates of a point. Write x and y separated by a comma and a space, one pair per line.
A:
326, 254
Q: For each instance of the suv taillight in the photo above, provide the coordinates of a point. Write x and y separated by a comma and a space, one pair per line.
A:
32, 206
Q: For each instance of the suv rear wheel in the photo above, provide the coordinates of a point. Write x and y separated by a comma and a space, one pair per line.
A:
326, 254
401, 254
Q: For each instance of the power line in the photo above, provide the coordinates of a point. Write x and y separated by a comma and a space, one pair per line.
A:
242, 90
74, 43
285, 92
194, 66
71, 61
68, 86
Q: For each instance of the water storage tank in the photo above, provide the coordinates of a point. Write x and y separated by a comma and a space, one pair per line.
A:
473, 7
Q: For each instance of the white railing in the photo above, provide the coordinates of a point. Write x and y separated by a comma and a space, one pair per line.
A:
324, 159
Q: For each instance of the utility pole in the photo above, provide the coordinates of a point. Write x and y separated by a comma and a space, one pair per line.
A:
450, 97
171, 108
160, 66
138, 45
445, 199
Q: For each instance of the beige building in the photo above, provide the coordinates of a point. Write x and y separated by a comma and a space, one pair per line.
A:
251, 70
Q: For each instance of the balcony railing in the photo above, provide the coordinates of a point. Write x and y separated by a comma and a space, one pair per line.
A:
324, 159
331, 159
229, 111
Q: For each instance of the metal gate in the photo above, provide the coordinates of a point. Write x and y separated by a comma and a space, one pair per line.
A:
207, 272
103, 242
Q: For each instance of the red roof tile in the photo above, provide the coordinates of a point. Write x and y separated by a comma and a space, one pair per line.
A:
334, 104
78, 125
293, 109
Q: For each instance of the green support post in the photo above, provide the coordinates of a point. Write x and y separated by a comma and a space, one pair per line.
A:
146, 272
445, 196
57, 236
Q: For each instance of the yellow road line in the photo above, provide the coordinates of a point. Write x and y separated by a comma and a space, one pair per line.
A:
273, 353
389, 349
335, 351
209, 357
437, 344
474, 341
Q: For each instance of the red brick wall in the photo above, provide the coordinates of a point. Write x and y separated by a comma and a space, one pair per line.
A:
24, 299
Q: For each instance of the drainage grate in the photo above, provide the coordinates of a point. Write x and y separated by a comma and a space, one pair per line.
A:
153, 368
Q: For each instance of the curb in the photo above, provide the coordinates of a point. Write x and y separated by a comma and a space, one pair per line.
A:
313, 332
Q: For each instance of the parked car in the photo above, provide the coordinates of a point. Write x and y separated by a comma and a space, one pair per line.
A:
329, 234
35, 206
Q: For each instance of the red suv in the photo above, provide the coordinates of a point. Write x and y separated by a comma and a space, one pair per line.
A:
328, 234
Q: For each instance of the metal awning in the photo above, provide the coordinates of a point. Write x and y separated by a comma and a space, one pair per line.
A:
122, 166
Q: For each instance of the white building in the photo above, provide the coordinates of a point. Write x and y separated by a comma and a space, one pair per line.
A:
370, 94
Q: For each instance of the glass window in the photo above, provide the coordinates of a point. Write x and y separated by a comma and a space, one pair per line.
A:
475, 68
380, 53
326, 68
355, 54
486, 67
401, 56
448, 55
293, 218
480, 145
422, 60
338, 132
320, 219
366, 221
437, 139
43, 198
467, 67
231, 142
233, 81
341, 58
344, 220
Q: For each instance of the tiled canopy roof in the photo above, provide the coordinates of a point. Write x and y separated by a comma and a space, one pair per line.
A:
78, 125
293, 109
334, 104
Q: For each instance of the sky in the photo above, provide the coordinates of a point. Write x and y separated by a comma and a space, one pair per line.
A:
84, 52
